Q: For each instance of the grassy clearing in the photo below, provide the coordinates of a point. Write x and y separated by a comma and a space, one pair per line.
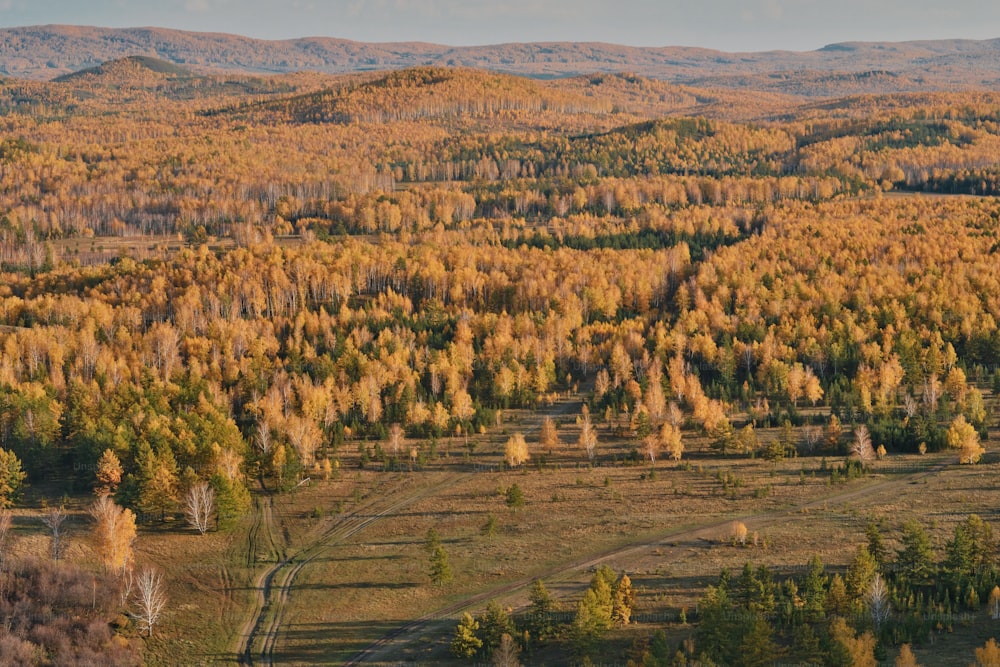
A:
378, 580
652, 519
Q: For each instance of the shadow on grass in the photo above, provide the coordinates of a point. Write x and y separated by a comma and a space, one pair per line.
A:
354, 559
359, 585
327, 643
311, 644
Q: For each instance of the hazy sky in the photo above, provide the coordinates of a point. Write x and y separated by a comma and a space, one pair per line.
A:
731, 25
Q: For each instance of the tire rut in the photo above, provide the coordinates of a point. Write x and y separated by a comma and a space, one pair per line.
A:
276, 584
263, 626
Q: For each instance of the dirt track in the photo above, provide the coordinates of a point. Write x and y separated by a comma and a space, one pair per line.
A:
259, 634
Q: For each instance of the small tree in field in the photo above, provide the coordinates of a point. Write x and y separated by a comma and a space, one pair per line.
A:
505, 654
6, 518
431, 540
739, 533
588, 435
489, 529
396, 436
863, 444
440, 571
199, 503
906, 657
962, 436
516, 450
515, 497
987, 656
549, 437
149, 598
54, 519
670, 440
114, 534
651, 446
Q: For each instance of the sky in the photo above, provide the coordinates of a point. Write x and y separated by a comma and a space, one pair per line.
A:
728, 25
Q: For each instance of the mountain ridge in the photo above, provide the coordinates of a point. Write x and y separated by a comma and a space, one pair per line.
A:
51, 51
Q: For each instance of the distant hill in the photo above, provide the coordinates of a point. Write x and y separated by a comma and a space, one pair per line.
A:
48, 52
131, 67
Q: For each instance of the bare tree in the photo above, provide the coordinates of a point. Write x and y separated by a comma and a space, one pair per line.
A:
863, 444
932, 392
878, 601
126, 582
54, 519
652, 446
150, 598
811, 436
262, 437
199, 503
395, 439
588, 437
505, 654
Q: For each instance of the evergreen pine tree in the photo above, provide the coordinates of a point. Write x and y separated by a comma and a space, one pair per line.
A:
440, 571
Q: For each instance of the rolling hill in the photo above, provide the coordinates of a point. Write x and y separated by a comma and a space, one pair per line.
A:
48, 52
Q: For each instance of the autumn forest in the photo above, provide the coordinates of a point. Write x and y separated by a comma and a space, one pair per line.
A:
443, 365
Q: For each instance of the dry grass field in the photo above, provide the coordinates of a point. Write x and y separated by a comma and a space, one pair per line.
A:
362, 568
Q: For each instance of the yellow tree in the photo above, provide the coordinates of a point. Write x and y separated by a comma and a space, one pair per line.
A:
516, 450
988, 655
813, 390
962, 436
549, 437
114, 534
861, 649
671, 441
109, 474
906, 657
588, 435
305, 437
795, 383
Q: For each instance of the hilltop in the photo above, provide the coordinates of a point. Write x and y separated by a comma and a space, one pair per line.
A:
48, 52
128, 68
